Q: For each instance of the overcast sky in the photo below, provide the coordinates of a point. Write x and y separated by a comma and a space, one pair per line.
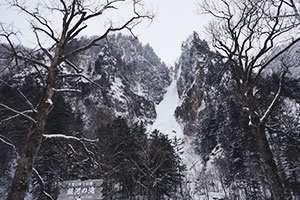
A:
174, 21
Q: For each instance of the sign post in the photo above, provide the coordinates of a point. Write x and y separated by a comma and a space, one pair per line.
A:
81, 190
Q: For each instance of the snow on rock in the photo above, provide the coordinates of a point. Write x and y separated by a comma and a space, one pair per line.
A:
292, 107
139, 90
166, 121
117, 89
167, 124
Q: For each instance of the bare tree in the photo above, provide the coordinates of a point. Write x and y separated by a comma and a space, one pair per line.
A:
74, 17
250, 35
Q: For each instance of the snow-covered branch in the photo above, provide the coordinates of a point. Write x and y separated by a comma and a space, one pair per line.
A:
24, 113
67, 138
67, 90
271, 107
72, 139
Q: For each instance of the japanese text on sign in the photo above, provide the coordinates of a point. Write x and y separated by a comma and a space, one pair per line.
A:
81, 190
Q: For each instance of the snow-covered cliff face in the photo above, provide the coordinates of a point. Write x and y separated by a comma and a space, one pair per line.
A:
131, 77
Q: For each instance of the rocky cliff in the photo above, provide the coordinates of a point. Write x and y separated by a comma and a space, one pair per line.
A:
213, 116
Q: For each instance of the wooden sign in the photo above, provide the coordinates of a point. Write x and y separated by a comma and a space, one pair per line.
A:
81, 190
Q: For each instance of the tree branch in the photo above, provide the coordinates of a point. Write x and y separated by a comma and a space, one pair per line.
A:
67, 90
27, 101
271, 107
22, 95
7, 143
40, 45
42, 185
81, 76
6, 121
70, 139
39, 19
109, 30
24, 113
78, 70
40, 75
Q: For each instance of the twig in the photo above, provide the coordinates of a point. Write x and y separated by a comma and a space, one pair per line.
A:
7, 143
4, 122
82, 76
22, 94
42, 185
18, 112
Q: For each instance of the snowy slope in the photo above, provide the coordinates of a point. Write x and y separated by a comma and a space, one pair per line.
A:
167, 124
165, 121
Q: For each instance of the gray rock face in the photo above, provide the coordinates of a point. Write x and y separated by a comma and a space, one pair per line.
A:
197, 82
132, 77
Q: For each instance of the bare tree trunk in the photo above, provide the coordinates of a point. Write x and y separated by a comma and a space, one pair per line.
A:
34, 139
269, 165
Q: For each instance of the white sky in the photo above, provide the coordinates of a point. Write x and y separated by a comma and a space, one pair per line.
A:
174, 21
